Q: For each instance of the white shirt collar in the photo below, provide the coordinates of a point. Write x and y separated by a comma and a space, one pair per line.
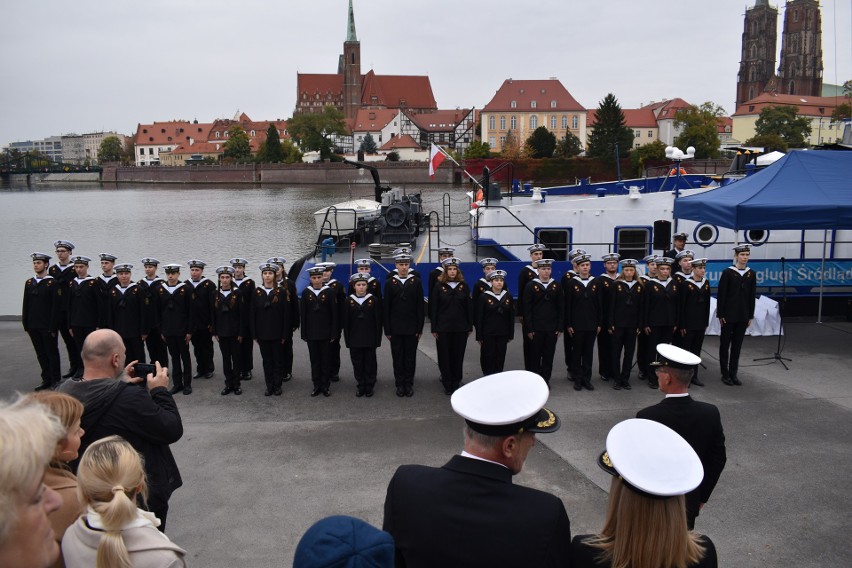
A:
464, 454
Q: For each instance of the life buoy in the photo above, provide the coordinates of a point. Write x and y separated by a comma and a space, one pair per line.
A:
674, 172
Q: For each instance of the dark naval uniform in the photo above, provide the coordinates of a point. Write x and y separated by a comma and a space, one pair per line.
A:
544, 317
362, 330
320, 325
449, 315
404, 316
175, 303
157, 350
624, 318
494, 320
481, 285
246, 288
605, 284
583, 316
40, 317
660, 313
567, 340
126, 316
105, 285
230, 320
270, 323
287, 346
63, 276
525, 276
374, 287
735, 304
203, 293
340, 300
86, 310
694, 315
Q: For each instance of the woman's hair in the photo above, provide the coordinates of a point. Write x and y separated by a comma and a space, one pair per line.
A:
65, 407
108, 477
443, 278
645, 532
28, 436
623, 277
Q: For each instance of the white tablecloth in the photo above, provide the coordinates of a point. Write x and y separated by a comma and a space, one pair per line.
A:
767, 319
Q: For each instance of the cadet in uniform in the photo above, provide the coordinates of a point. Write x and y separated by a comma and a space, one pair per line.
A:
683, 262
488, 265
374, 287
735, 310
174, 299
63, 272
229, 322
320, 328
694, 311
404, 315
544, 318
443, 254
412, 271
40, 316
106, 282
494, 320
246, 288
679, 242
642, 341
567, 345
126, 314
340, 301
150, 286
203, 292
270, 325
582, 321
660, 313
605, 284
285, 282
362, 329
525, 276
86, 305
449, 316
624, 321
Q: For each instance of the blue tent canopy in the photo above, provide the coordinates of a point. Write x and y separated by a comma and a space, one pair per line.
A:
802, 190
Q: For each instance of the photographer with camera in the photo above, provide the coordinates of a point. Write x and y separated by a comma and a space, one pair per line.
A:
137, 406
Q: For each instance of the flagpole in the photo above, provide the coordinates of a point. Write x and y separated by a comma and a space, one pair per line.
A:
473, 179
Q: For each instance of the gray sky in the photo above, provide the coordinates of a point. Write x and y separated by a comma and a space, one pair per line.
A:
86, 65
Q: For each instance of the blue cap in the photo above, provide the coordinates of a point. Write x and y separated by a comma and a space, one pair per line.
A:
344, 542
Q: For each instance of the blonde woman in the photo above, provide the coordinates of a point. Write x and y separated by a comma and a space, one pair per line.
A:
58, 475
114, 532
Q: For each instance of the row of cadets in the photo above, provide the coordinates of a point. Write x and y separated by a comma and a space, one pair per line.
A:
694, 311
605, 283
494, 320
204, 290
567, 344
126, 314
735, 310
450, 317
174, 300
63, 272
86, 301
246, 287
527, 275
320, 327
362, 330
40, 318
150, 285
283, 280
623, 321
660, 314
543, 312
230, 320
404, 316
582, 320
270, 324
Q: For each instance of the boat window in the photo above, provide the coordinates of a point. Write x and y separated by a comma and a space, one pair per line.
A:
557, 240
756, 237
705, 235
633, 242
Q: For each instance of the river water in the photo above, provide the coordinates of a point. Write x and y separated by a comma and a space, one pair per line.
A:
171, 223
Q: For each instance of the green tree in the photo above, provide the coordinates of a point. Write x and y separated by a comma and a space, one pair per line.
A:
700, 124
368, 144
291, 152
271, 152
847, 89
393, 156
609, 130
783, 121
311, 131
653, 151
237, 148
769, 142
568, 147
511, 148
541, 143
477, 149
129, 155
110, 150
841, 111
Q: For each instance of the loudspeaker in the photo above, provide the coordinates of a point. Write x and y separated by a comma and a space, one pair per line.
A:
662, 234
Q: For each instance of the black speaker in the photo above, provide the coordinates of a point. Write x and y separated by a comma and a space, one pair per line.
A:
662, 234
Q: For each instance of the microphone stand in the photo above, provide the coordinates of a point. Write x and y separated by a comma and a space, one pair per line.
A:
777, 355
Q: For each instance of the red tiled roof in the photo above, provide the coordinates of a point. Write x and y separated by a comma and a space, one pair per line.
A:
809, 106
440, 120
222, 125
200, 148
398, 91
523, 92
400, 142
373, 119
633, 118
724, 125
322, 83
170, 133
666, 109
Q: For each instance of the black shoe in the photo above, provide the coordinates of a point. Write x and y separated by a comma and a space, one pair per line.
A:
246, 376
400, 391
697, 382
198, 375
616, 386
736, 381
268, 392
369, 392
226, 390
71, 372
277, 392
642, 377
448, 391
359, 392
604, 379
335, 378
326, 392
653, 384
578, 385
208, 374
42, 386
570, 378
238, 391
588, 385
409, 391
316, 391
626, 386
187, 390
727, 381
176, 389
287, 377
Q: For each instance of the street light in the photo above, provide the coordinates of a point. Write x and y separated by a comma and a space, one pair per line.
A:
676, 154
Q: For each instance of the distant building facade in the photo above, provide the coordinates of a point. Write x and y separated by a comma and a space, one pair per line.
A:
817, 109
50, 147
151, 139
83, 149
757, 59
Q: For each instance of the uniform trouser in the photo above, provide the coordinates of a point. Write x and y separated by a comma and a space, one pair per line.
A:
364, 366
542, 350
47, 353
202, 347
404, 353
605, 368
731, 340
659, 334
80, 335
320, 351
568, 348
160, 507
157, 350
623, 340
642, 355
134, 349
287, 361
526, 348
181, 369
74, 360
273, 362
231, 350
584, 350
492, 353
451, 347
246, 357
692, 342
334, 354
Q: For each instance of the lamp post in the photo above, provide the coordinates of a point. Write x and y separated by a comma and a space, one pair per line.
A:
678, 156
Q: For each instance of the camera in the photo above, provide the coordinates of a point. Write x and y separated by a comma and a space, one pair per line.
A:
142, 370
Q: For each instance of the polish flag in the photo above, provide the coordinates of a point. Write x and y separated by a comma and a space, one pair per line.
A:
436, 157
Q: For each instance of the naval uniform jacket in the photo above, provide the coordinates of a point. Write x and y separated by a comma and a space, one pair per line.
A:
495, 315
63, 275
320, 314
481, 285
449, 308
246, 287
606, 288
701, 426
40, 311
230, 318
203, 293
105, 285
735, 294
626, 305
269, 314
126, 311
525, 276
583, 304
544, 307
294, 303
362, 321
458, 514
694, 304
150, 291
175, 309
434, 274
403, 306
87, 303
373, 287
661, 304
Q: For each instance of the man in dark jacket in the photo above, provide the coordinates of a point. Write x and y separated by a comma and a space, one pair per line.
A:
142, 412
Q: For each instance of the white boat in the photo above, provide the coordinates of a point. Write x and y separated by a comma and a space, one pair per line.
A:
343, 218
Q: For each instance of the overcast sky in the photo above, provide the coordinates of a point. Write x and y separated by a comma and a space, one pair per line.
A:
86, 65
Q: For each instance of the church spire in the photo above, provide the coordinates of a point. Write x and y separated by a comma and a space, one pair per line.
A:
350, 30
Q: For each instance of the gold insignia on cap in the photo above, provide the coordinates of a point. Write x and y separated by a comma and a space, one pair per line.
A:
551, 419
605, 459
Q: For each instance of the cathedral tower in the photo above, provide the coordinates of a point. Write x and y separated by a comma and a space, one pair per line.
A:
800, 70
350, 66
757, 61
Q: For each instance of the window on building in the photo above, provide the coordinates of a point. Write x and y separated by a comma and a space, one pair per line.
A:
513, 122
533, 122
574, 122
533, 104
564, 121
141, 151
491, 141
553, 122
557, 240
502, 141
650, 134
514, 104
633, 242
252, 133
637, 145
150, 151
492, 123
552, 104
502, 123
636, 134
218, 134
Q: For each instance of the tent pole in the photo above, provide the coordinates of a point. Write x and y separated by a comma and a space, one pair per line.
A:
822, 274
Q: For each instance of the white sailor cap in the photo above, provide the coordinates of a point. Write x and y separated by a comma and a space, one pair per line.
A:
506, 403
538, 247
63, 244
269, 267
496, 274
581, 258
195, 263
225, 270
173, 267
403, 258
664, 260
108, 257
685, 252
446, 250
150, 261
669, 355
363, 262
744, 247
699, 262
629, 262
41, 256
315, 270
488, 262
123, 267
679, 237
650, 259
238, 262
576, 252
81, 260
544, 262
611, 256
452, 261
403, 250
280, 260
359, 277
651, 459
326, 266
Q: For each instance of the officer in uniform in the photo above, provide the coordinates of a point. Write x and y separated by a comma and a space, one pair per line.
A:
229, 322
583, 321
150, 285
404, 316
494, 319
488, 265
175, 303
374, 287
362, 330
270, 324
660, 312
126, 314
40, 317
679, 243
106, 282
605, 283
246, 287
694, 311
320, 328
527, 274
735, 310
457, 514
544, 318
87, 307
624, 321
203, 292
63, 272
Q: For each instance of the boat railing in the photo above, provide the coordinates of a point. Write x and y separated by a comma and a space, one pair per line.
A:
326, 227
